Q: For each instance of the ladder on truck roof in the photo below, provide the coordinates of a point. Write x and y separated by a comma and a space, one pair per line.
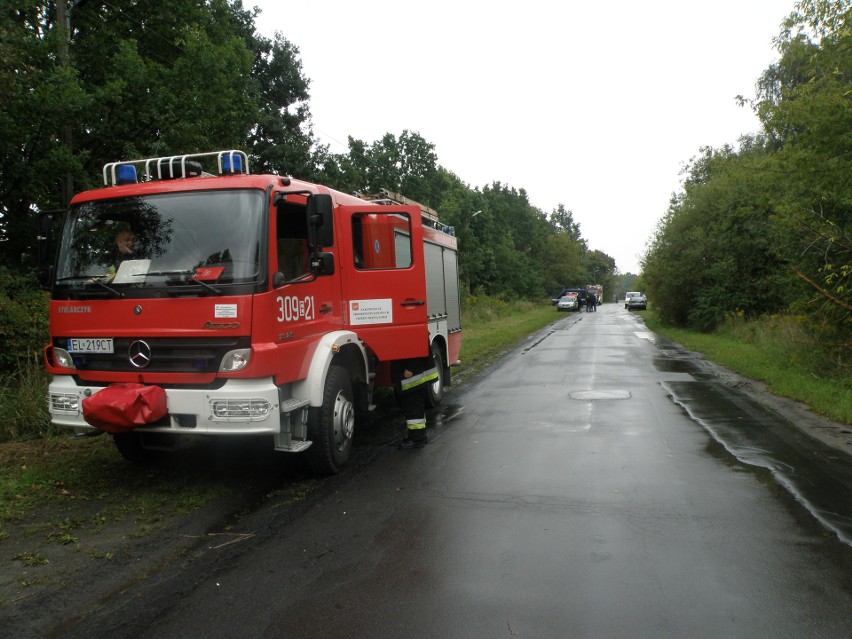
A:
427, 214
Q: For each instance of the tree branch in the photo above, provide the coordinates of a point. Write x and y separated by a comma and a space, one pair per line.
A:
824, 292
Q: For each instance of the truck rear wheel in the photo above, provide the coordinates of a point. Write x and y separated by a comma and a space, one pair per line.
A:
435, 390
331, 426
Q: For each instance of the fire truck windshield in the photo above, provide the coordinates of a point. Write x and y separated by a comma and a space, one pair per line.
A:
193, 238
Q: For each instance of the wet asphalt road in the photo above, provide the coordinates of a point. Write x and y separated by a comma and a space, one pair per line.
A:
592, 484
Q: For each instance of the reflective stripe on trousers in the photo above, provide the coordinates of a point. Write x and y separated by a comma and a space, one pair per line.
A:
415, 424
414, 381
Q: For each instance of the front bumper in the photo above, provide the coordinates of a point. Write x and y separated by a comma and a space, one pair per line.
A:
239, 407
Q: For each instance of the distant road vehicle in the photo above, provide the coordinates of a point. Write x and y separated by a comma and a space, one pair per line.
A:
627, 297
637, 303
568, 303
579, 292
597, 291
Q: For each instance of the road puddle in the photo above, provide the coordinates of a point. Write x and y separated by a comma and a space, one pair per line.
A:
818, 476
585, 395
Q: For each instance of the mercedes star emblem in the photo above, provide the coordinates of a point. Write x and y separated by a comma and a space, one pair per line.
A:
139, 353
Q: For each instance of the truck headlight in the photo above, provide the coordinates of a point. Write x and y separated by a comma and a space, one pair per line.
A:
235, 360
63, 358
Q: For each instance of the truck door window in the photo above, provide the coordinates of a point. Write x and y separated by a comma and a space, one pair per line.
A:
381, 240
292, 240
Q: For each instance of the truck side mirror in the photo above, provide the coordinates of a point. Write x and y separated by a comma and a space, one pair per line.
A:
322, 263
320, 212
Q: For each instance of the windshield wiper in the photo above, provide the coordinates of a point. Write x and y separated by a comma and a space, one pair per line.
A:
100, 280
103, 284
190, 272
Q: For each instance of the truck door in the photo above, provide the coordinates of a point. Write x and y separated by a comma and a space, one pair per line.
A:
384, 279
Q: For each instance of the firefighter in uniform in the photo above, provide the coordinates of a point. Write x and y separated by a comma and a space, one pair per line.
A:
412, 378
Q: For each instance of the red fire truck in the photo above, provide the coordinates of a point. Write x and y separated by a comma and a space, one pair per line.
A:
241, 304
597, 289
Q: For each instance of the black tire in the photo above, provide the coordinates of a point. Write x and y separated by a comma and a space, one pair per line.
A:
435, 390
331, 426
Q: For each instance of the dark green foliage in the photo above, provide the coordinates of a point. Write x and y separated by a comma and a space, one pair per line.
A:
278, 141
768, 228
23, 320
406, 164
136, 81
806, 107
719, 250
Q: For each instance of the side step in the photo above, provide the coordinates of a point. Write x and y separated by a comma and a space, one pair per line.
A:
292, 436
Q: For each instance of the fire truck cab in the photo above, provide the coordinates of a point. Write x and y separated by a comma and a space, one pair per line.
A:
190, 297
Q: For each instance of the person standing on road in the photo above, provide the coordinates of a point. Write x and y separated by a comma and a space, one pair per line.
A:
591, 302
411, 378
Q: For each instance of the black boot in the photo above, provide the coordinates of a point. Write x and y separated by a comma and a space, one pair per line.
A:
414, 439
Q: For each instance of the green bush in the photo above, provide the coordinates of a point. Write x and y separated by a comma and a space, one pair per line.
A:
24, 405
23, 335
23, 320
483, 308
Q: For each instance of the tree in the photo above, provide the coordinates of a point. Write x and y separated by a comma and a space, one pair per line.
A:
805, 104
138, 82
766, 228
599, 266
406, 165
462, 207
40, 96
517, 232
564, 259
281, 141
562, 221
718, 250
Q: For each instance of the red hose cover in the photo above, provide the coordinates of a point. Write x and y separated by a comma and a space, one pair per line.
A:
121, 407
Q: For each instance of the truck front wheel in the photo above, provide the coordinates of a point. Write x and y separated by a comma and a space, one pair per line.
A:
331, 426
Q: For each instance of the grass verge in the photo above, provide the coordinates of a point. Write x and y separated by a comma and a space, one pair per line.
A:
493, 326
59, 486
775, 351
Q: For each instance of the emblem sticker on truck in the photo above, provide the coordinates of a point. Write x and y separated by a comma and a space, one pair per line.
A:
371, 311
224, 310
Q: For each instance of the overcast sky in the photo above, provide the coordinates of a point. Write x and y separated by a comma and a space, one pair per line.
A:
593, 105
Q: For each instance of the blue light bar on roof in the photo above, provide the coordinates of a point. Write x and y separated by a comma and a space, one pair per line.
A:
126, 174
174, 167
232, 163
